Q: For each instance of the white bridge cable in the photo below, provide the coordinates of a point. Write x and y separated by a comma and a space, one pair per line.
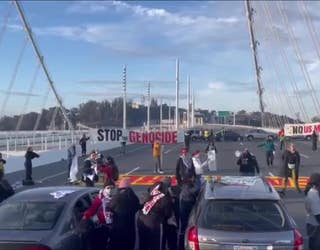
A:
300, 59
311, 28
52, 125
44, 101
14, 75
5, 21
30, 90
293, 82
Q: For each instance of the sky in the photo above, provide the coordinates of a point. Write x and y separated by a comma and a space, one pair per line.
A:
85, 45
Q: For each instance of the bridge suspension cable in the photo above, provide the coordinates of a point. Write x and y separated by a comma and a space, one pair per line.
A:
300, 59
14, 75
41, 60
5, 22
311, 28
30, 90
276, 37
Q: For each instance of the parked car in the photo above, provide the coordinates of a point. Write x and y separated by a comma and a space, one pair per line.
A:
259, 134
241, 213
44, 218
228, 135
196, 134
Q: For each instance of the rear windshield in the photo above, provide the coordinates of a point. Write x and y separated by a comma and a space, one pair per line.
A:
29, 215
249, 216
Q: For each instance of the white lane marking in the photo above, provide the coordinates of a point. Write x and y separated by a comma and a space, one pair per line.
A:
131, 171
52, 176
271, 174
305, 156
166, 152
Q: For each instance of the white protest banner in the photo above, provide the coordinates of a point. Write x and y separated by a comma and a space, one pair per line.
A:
133, 136
301, 129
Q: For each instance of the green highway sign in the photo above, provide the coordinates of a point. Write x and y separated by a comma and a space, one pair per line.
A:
224, 113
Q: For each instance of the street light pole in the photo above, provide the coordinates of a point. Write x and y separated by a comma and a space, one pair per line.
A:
124, 85
177, 94
188, 103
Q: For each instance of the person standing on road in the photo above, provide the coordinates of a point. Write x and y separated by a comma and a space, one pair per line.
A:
156, 209
198, 166
71, 155
248, 164
314, 141
28, 165
183, 167
99, 238
2, 163
156, 152
312, 206
187, 138
290, 166
83, 143
270, 149
281, 138
124, 205
89, 173
188, 197
123, 143
212, 151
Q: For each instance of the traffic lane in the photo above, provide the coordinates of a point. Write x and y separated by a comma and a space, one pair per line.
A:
56, 173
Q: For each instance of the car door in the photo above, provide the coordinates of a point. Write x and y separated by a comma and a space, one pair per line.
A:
70, 239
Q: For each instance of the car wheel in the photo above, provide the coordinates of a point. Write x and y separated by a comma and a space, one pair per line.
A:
250, 138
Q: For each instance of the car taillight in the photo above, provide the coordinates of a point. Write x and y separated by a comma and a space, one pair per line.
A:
193, 241
37, 248
298, 240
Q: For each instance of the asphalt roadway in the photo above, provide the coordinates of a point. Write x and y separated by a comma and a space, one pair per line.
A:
138, 160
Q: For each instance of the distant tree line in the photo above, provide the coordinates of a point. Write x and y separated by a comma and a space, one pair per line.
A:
110, 114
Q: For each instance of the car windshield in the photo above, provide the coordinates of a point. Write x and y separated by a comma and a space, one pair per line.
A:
248, 216
29, 215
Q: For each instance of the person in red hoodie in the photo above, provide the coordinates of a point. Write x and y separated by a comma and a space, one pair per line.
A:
101, 207
109, 170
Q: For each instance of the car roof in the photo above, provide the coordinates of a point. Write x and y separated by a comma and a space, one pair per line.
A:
240, 188
51, 194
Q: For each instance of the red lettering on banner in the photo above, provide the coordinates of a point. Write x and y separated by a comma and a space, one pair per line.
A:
151, 137
167, 137
138, 137
132, 137
174, 137
158, 136
275, 181
145, 138
307, 129
316, 128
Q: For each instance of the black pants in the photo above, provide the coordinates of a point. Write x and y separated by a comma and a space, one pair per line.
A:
270, 157
281, 144
117, 238
83, 149
314, 237
314, 145
98, 238
169, 237
288, 174
149, 238
185, 210
28, 167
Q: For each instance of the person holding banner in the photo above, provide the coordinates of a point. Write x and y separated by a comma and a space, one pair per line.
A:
290, 167
72, 164
212, 151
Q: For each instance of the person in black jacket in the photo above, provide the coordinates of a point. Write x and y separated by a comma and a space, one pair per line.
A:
124, 205
248, 164
155, 210
28, 165
188, 196
314, 137
290, 165
184, 167
6, 189
83, 144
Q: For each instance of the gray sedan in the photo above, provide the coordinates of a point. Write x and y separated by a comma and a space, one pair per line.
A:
44, 218
241, 213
